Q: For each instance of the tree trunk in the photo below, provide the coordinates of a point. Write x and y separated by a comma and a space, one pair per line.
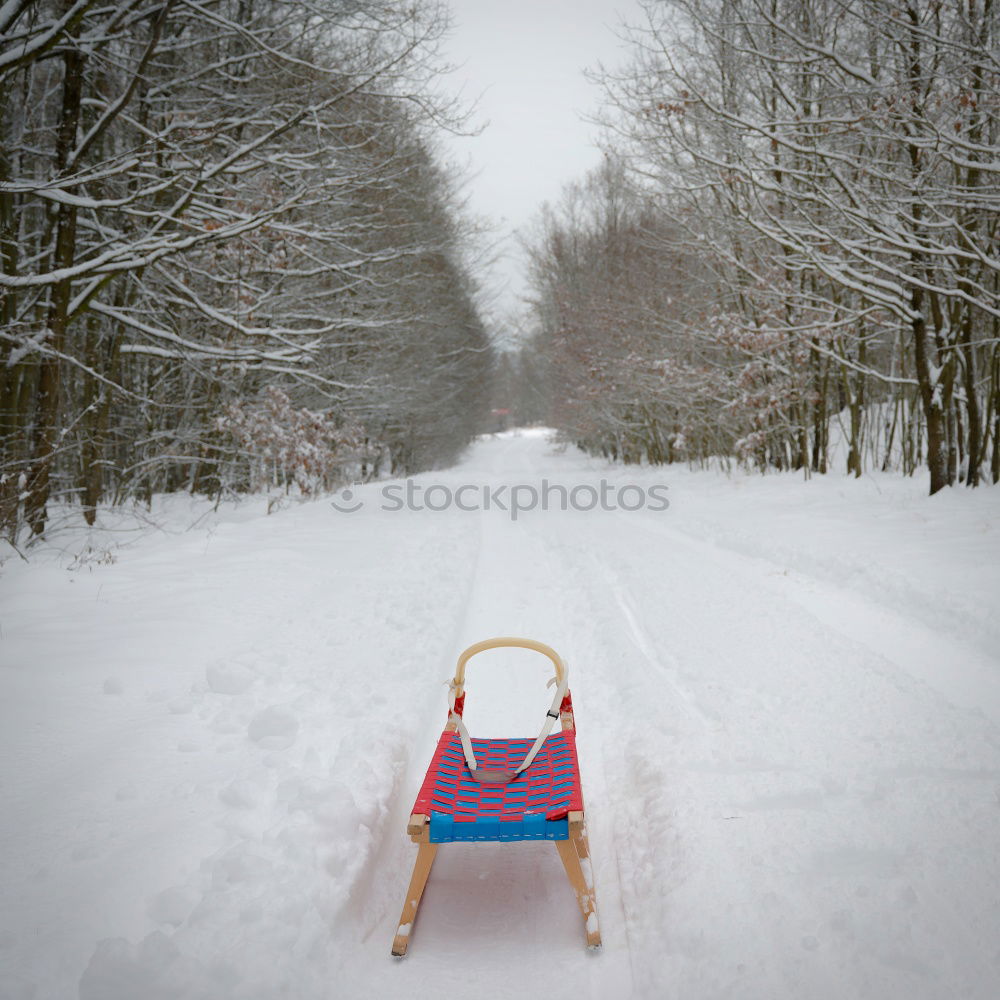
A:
47, 398
930, 397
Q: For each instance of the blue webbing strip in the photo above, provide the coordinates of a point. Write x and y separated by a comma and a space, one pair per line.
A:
534, 826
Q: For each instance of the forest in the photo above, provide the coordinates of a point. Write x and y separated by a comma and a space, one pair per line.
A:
233, 258
795, 233
229, 253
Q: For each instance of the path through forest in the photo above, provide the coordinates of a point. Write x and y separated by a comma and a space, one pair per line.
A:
788, 703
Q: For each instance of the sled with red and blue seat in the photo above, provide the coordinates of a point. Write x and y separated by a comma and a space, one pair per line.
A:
503, 790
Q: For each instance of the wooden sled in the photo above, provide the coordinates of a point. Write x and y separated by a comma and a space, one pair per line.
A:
503, 790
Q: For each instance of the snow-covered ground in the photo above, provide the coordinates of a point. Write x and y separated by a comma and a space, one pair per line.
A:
788, 702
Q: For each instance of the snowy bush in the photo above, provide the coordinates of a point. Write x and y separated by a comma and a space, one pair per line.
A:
286, 446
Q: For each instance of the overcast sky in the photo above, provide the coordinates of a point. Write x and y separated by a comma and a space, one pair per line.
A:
524, 61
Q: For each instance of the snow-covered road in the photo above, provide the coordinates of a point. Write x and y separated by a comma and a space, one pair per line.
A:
788, 703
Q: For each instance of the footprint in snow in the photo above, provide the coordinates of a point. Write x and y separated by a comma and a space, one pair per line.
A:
228, 678
274, 728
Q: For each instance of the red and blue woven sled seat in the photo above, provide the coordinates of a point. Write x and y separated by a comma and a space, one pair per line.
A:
504, 790
533, 806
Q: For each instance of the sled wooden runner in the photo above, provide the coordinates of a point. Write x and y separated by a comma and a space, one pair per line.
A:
503, 790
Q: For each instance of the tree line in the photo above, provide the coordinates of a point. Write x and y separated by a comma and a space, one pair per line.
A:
795, 232
229, 255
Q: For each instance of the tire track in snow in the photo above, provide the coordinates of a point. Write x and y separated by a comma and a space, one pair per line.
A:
664, 664
903, 640
393, 858
631, 821
655, 827
641, 828
612, 972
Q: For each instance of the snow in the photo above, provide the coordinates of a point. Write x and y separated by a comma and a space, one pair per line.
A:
788, 703
274, 728
228, 678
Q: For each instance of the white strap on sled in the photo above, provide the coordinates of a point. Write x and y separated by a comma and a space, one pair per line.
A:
456, 688
550, 718
456, 720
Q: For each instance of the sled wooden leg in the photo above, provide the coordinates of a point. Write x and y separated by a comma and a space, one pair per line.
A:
581, 878
421, 870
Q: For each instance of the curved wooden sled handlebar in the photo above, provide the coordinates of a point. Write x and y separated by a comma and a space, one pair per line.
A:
500, 642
